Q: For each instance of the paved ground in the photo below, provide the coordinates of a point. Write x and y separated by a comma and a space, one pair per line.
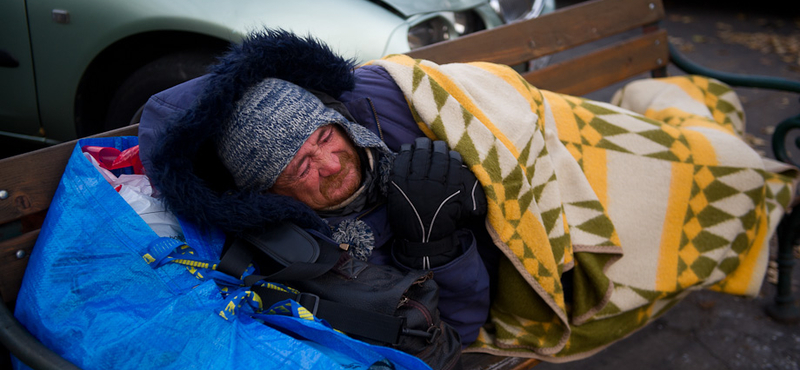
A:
709, 330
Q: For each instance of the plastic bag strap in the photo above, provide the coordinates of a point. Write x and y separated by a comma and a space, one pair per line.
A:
167, 250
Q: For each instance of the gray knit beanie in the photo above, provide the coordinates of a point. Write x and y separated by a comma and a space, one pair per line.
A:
269, 125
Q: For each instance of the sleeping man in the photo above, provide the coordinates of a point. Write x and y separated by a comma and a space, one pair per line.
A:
553, 225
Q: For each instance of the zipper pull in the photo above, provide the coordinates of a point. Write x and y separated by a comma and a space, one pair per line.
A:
403, 302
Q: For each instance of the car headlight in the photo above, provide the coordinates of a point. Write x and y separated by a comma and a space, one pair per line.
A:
517, 10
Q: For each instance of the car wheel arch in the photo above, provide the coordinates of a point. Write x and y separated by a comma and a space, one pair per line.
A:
106, 73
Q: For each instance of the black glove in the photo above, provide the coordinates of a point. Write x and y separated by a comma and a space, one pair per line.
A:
430, 196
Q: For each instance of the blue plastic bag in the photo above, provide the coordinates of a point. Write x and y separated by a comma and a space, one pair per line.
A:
89, 295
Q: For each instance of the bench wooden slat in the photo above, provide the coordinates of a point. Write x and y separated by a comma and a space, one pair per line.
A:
567, 28
30, 180
14, 267
608, 65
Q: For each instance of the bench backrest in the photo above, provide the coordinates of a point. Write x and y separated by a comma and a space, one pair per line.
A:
28, 181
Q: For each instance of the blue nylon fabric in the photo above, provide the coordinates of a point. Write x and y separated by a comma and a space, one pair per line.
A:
90, 296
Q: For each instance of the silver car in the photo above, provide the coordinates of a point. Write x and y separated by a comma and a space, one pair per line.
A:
70, 68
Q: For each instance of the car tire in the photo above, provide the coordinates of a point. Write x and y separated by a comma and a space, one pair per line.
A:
169, 70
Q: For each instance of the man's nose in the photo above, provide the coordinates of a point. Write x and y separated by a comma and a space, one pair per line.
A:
328, 164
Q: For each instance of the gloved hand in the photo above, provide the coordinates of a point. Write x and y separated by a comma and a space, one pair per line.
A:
431, 194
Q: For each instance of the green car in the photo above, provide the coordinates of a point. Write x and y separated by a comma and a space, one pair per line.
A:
71, 68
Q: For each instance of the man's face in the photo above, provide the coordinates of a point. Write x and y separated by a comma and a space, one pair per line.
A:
324, 172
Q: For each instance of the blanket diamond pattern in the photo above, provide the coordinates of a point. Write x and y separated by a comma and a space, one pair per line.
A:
643, 200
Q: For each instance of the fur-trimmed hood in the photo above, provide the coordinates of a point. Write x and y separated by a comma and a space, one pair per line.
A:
184, 166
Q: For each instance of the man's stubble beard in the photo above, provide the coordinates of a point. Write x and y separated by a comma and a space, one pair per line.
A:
349, 162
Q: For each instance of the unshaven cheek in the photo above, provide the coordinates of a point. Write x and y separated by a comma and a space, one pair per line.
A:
339, 187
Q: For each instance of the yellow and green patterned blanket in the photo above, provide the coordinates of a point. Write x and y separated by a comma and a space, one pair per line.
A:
644, 200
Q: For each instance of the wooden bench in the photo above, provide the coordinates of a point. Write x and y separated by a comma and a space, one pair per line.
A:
28, 181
